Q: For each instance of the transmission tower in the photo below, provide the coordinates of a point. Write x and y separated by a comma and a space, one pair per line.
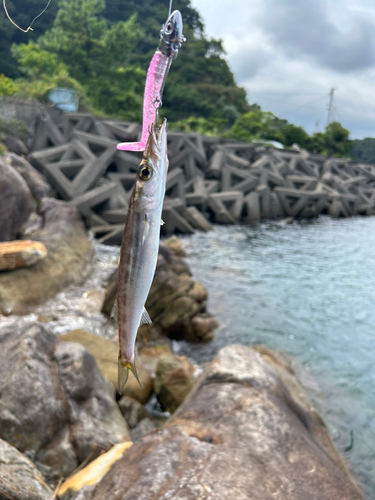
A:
330, 105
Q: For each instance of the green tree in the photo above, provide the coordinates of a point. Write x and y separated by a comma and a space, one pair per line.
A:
363, 150
333, 142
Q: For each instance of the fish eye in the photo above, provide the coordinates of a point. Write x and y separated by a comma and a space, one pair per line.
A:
145, 172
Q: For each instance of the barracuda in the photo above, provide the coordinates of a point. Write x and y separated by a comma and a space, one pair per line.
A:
139, 249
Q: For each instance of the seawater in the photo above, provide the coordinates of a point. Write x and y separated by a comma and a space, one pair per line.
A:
307, 289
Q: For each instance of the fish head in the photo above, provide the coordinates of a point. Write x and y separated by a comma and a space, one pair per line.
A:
152, 173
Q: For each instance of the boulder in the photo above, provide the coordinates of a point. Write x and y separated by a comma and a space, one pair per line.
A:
132, 410
105, 353
55, 406
15, 202
175, 245
38, 185
240, 434
150, 355
92, 473
20, 253
19, 478
146, 426
174, 380
61, 231
15, 144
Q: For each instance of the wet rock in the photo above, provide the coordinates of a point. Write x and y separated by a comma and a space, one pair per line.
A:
92, 473
240, 433
38, 185
105, 353
144, 427
55, 406
19, 478
174, 380
150, 355
69, 252
20, 253
175, 298
15, 202
132, 410
175, 245
92, 300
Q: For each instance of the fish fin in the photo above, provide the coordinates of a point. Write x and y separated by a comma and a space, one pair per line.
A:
162, 222
146, 228
123, 374
114, 312
145, 318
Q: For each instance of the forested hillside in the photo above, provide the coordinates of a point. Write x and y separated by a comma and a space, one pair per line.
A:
102, 50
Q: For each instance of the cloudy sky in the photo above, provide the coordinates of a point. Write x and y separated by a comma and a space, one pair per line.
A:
288, 54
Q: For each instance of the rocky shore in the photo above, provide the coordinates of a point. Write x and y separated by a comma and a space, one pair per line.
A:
240, 427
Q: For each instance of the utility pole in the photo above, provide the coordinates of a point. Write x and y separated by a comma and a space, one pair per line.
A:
330, 105
330, 109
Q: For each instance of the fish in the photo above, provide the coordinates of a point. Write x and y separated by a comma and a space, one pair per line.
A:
139, 248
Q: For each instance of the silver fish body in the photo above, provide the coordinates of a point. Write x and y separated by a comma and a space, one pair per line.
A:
139, 249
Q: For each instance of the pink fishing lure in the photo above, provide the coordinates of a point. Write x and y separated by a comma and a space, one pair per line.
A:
171, 40
156, 75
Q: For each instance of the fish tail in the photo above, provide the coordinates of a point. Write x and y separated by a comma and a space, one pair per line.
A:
123, 373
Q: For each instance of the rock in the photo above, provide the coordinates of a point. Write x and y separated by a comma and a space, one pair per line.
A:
240, 434
175, 245
105, 353
174, 380
92, 300
144, 427
201, 328
132, 410
15, 202
69, 252
20, 253
55, 406
19, 478
15, 144
38, 186
92, 473
150, 355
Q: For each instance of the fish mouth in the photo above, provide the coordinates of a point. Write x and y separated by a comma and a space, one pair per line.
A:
159, 133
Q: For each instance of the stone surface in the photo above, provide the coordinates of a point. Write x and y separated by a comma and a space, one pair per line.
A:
69, 252
92, 473
105, 353
19, 478
240, 434
15, 202
175, 245
144, 427
174, 380
38, 186
132, 410
20, 253
55, 406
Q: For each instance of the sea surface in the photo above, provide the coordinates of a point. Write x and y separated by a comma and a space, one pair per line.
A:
307, 289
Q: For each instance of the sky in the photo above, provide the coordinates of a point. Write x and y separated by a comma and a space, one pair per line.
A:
288, 54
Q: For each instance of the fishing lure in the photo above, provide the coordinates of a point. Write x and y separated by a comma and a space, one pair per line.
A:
171, 41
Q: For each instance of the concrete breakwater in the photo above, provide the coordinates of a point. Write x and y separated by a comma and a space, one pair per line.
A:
209, 179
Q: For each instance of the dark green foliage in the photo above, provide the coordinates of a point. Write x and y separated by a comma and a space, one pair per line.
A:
364, 150
333, 142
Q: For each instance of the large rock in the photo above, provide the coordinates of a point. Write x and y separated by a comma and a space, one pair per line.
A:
240, 434
55, 406
38, 185
15, 202
19, 478
20, 253
69, 251
105, 353
175, 299
174, 380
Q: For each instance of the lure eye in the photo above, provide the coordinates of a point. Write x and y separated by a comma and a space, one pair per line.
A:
145, 172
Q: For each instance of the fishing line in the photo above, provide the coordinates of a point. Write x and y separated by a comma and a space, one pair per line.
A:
32, 22
170, 8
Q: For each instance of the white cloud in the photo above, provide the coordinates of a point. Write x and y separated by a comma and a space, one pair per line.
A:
289, 53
